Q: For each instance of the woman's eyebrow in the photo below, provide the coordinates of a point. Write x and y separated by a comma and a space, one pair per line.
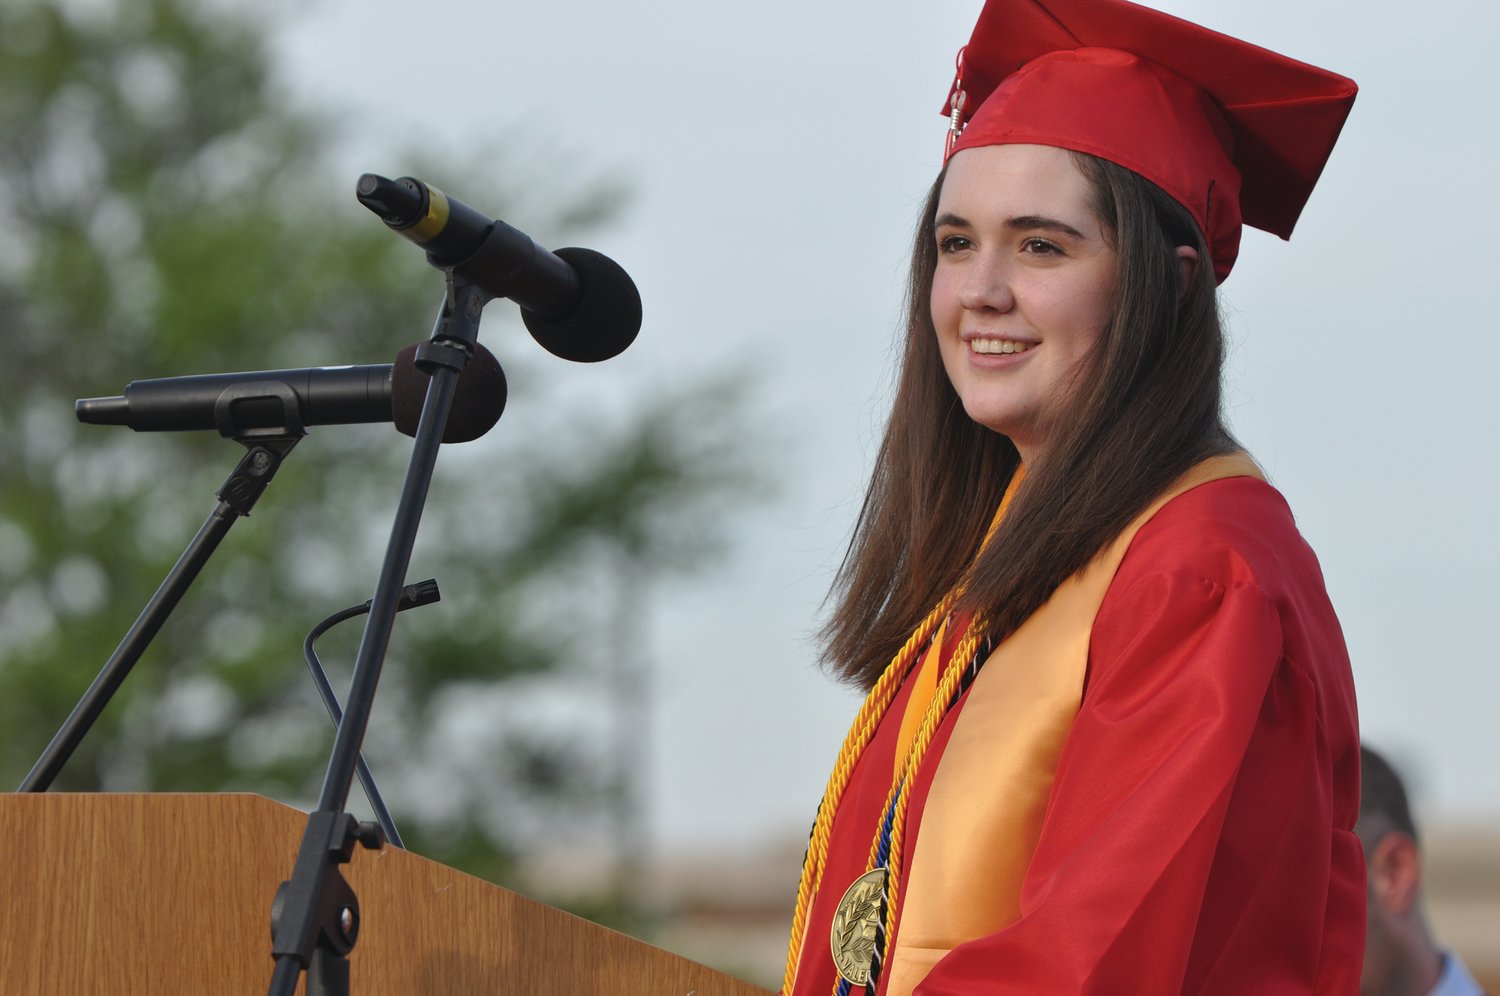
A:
1020, 223
1036, 222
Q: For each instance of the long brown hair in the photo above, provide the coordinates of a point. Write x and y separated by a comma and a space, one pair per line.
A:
1146, 409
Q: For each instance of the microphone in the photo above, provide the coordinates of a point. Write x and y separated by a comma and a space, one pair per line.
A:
579, 304
269, 399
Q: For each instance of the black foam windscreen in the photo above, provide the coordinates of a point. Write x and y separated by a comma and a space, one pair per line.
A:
606, 318
478, 400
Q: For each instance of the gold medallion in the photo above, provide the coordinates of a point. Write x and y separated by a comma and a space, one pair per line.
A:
855, 924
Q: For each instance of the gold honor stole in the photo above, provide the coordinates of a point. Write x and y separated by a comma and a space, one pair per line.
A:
972, 848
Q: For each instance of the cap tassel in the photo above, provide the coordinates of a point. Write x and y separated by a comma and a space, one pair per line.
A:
956, 121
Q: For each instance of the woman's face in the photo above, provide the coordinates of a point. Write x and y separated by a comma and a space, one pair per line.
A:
1024, 286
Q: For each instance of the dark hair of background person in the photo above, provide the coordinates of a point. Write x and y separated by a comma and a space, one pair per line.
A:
1383, 805
1146, 409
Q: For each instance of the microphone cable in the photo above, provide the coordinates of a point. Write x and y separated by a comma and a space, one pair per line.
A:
412, 596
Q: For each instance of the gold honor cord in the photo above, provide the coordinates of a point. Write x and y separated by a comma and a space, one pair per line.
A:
899, 800
942, 700
877, 703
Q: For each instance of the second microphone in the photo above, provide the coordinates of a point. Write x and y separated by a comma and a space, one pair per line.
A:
263, 399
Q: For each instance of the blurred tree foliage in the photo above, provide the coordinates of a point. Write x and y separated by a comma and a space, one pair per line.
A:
171, 212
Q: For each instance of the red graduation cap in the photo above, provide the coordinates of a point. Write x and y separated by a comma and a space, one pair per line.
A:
1232, 131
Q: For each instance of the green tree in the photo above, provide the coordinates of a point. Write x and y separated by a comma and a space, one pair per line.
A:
175, 213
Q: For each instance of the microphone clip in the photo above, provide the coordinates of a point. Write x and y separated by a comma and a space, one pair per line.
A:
435, 353
237, 400
250, 477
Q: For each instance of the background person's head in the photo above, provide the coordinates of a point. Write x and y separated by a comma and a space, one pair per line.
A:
1401, 957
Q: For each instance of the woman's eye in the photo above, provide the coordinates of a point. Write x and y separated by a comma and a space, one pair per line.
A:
953, 243
1039, 247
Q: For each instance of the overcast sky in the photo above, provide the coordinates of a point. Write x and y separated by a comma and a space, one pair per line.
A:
778, 153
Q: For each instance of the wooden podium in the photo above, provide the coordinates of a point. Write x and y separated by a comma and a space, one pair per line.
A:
170, 895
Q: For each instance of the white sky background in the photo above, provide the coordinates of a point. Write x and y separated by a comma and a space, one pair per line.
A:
779, 152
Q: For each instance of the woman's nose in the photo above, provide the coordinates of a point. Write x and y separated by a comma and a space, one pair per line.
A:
986, 287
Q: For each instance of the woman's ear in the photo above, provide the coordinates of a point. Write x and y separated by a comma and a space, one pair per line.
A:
1187, 266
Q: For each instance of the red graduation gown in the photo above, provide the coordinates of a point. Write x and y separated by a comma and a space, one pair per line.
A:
1198, 833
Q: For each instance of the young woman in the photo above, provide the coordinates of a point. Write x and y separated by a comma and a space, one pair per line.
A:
1110, 743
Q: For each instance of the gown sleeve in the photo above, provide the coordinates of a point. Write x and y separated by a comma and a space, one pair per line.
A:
1188, 841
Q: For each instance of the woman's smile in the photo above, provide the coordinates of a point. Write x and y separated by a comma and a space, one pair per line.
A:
994, 347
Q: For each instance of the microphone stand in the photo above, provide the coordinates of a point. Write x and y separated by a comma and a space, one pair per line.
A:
265, 450
315, 916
